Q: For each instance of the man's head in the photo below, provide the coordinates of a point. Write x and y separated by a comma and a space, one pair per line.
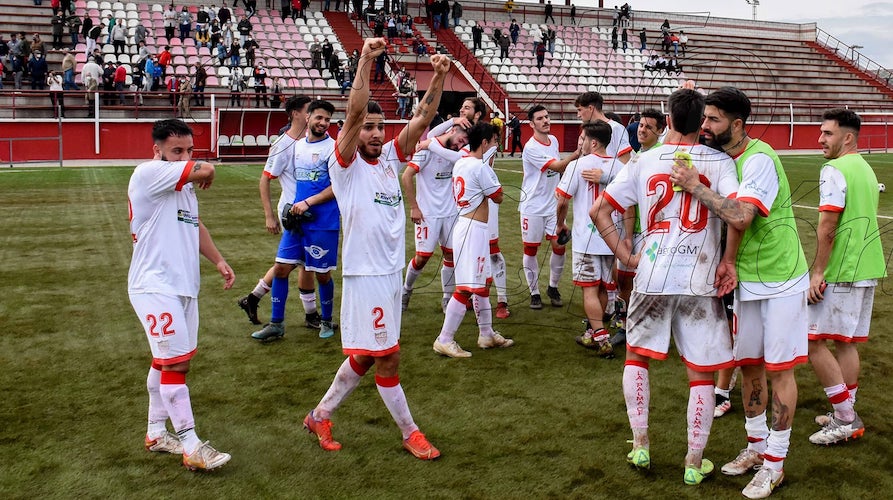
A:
481, 137
589, 106
319, 116
840, 132
725, 116
459, 138
596, 137
472, 109
372, 133
686, 109
296, 109
651, 126
539, 119
172, 140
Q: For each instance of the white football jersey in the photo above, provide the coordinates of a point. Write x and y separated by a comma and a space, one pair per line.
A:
539, 183
372, 216
473, 183
434, 184
586, 238
619, 145
681, 248
164, 227
281, 165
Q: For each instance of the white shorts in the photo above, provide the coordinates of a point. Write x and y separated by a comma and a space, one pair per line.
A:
371, 314
431, 232
592, 270
844, 315
536, 227
697, 325
471, 256
638, 244
771, 332
171, 325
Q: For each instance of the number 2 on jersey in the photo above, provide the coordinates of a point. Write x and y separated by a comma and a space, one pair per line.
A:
661, 184
378, 318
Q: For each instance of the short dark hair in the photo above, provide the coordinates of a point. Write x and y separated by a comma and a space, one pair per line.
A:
659, 117
844, 118
534, 110
163, 129
613, 116
479, 106
478, 133
598, 130
321, 104
373, 108
732, 101
296, 103
590, 99
686, 110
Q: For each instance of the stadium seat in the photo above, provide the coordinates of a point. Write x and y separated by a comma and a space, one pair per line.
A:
236, 140
263, 140
249, 140
223, 141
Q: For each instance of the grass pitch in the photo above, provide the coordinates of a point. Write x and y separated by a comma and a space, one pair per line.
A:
544, 419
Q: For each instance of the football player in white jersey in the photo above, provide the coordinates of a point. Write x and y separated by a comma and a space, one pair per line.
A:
280, 166
680, 275
163, 284
542, 164
365, 178
473, 184
427, 234
313, 246
593, 262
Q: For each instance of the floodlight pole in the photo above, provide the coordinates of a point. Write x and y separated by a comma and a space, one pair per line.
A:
754, 4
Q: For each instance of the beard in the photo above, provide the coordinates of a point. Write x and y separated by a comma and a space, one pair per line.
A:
719, 140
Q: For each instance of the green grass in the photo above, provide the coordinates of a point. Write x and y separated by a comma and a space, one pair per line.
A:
544, 419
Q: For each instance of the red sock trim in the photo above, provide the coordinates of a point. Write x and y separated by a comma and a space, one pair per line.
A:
839, 397
559, 251
751, 439
530, 250
610, 286
357, 368
494, 246
852, 387
461, 297
173, 378
448, 263
156, 365
696, 383
414, 265
770, 458
640, 364
387, 381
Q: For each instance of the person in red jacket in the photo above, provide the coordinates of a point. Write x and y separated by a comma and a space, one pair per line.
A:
164, 60
120, 79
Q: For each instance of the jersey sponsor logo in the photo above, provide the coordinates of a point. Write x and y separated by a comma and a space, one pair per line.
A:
187, 218
443, 175
390, 200
753, 187
682, 249
551, 173
316, 252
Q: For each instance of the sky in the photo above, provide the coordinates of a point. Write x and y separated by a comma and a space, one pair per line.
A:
853, 22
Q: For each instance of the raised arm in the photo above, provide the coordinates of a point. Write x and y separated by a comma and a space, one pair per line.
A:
413, 131
349, 138
202, 175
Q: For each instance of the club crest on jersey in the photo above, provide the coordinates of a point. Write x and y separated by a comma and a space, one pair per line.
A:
316, 252
315, 158
390, 172
390, 200
186, 217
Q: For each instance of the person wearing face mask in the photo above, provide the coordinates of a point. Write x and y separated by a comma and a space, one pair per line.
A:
474, 183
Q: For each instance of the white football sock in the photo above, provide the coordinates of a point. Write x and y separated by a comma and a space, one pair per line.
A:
412, 274
700, 416
484, 312
157, 412
308, 298
175, 397
448, 279
757, 432
497, 261
392, 394
346, 380
531, 273
556, 267
455, 311
261, 289
777, 449
637, 394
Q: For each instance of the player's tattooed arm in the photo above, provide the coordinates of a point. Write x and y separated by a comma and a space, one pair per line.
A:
735, 213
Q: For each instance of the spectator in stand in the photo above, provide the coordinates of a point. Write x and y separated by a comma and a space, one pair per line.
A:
86, 26
316, 56
97, 56
250, 51
153, 74
665, 27
215, 31
185, 97
673, 66
139, 33
683, 41
228, 34
221, 53
477, 35
251, 7
142, 54
120, 79
212, 13
235, 58
276, 93
379, 75
170, 22
57, 97
573, 15
37, 65
335, 68
457, 12
551, 35
614, 38
119, 38
56, 5
392, 26
504, 43
202, 38
296, 11
164, 60
514, 31
643, 40
68, 66
173, 90
108, 84
202, 18
540, 55
90, 75
224, 15
651, 63
58, 27
625, 15
624, 39
327, 51
260, 84
18, 62
674, 41
514, 127
137, 79
445, 13
352, 62
201, 79
661, 63
244, 28
38, 46
236, 85
548, 13
185, 21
